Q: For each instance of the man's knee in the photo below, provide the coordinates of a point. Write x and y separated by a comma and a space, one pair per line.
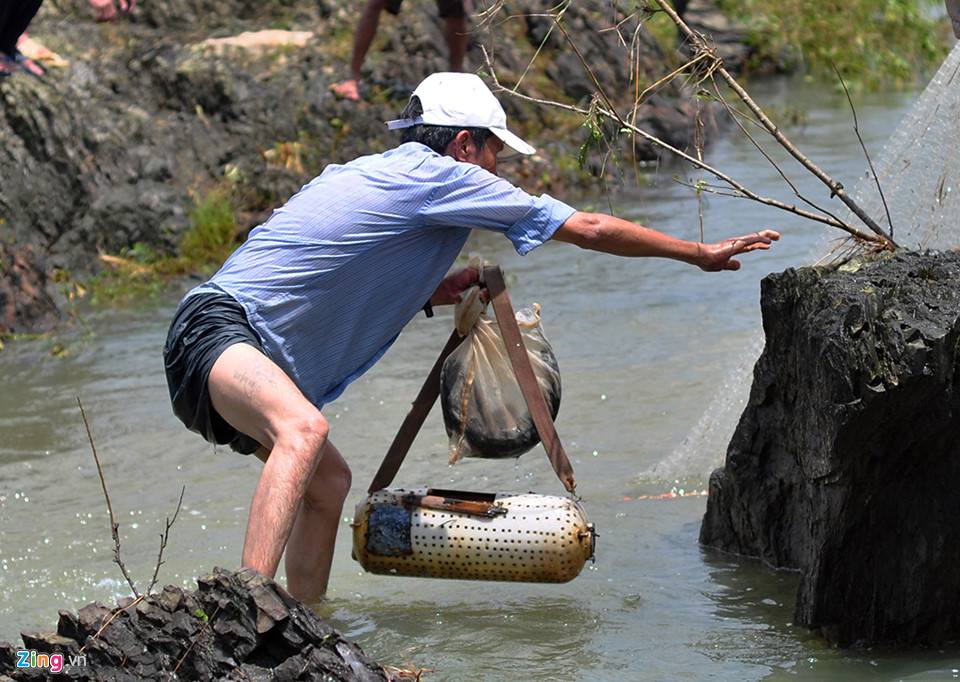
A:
340, 481
311, 430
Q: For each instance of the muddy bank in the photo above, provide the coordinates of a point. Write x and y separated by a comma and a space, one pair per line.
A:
843, 462
108, 153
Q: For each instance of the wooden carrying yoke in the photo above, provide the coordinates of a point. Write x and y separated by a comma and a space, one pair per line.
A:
506, 318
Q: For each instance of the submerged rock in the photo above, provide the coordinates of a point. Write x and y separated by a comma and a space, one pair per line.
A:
235, 626
845, 460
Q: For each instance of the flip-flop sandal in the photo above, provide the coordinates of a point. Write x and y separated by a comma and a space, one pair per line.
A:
28, 64
38, 52
7, 66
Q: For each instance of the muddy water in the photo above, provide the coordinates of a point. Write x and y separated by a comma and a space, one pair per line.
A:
644, 348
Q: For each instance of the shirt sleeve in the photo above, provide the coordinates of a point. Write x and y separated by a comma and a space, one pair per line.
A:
474, 198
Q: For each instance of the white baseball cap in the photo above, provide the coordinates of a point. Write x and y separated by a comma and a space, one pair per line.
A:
462, 99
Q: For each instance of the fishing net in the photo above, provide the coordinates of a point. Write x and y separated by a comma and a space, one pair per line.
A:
919, 188
919, 168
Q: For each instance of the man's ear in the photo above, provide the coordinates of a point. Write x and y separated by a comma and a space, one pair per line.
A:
459, 147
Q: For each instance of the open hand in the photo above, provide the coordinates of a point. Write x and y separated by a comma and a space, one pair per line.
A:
721, 256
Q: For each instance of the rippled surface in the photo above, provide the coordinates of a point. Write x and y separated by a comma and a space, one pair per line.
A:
644, 348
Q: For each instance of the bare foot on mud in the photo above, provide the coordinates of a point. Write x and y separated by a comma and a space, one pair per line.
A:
39, 52
348, 89
107, 11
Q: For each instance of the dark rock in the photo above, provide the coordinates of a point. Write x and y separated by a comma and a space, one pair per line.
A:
26, 304
845, 460
729, 38
235, 626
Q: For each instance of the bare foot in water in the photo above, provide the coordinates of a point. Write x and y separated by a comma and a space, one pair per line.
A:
348, 89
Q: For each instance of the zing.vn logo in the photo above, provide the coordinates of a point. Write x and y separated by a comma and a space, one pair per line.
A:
32, 659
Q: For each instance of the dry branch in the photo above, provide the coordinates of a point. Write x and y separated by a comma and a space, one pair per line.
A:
163, 540
740, 189
114, 526
836, 189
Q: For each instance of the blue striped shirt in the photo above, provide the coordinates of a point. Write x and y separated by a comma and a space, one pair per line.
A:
330, 280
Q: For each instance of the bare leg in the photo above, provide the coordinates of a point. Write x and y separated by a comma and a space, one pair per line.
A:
310, 549
254, 395
362, 39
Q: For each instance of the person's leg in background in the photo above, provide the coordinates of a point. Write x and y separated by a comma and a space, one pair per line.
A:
15, 16
362, 39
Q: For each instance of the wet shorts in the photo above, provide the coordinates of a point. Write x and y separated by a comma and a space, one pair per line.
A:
445, 8
202, 328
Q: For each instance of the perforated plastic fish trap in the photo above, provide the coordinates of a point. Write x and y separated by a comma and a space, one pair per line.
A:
521, 537
433, 533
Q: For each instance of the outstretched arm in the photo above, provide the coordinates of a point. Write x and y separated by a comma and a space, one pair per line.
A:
601, 232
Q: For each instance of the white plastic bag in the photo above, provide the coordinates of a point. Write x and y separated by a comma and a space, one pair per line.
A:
484, 411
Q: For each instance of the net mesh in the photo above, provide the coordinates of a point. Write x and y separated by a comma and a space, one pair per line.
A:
919, 172
919, 167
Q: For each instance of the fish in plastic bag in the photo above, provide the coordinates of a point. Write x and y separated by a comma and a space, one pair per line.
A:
484, 411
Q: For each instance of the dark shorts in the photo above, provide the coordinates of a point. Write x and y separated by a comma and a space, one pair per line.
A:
202, 328
445, 8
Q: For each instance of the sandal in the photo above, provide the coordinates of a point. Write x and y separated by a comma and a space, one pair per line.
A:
28, 64
39, 53
7, 66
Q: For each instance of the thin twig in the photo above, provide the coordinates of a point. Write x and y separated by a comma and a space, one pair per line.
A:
583, 62
113, 524
710, 63
736, 115
163, 541
863, 146
743, 191
110, 620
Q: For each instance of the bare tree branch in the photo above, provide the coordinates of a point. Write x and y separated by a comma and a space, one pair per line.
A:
704, 65
735, 115
740, 189
163, 540
113, 524
836, 189
856, 129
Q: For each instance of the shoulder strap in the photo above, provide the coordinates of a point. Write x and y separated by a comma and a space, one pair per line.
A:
414, 420
529, 386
